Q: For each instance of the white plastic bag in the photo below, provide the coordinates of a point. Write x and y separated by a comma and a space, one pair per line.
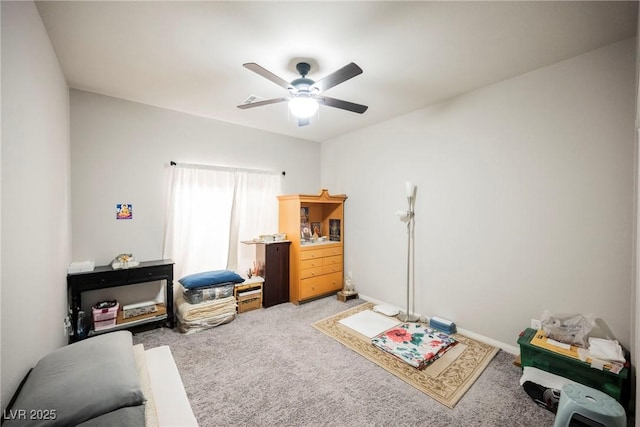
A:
568, 328
609, 350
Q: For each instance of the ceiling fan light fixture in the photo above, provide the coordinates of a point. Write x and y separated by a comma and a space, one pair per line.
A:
303, 107
305, 94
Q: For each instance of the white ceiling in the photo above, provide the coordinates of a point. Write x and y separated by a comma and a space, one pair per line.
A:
188, 56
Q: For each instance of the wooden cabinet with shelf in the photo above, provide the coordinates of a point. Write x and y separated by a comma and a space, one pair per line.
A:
316, 268
274, 257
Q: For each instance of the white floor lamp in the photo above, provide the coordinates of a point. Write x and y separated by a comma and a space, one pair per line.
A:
408, 216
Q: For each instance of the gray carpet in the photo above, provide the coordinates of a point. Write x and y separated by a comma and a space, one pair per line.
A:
270, 367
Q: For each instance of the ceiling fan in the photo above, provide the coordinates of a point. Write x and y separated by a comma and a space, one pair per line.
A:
306, 94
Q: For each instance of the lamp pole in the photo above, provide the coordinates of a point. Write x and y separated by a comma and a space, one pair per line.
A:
410, 215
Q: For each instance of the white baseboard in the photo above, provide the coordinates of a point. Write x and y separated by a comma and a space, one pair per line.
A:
512, 349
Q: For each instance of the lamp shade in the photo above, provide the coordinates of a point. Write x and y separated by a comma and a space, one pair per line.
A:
303, 107
410, 188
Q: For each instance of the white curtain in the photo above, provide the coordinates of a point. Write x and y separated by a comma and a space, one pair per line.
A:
211, 210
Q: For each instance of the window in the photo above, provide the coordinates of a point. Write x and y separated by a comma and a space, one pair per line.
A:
211, 210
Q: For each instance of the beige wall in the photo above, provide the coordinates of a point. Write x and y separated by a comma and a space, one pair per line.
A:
119, 153
525, 199
36, 233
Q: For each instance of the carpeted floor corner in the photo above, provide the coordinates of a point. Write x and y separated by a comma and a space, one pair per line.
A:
271, 367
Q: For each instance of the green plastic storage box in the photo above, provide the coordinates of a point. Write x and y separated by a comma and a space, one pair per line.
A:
615, 385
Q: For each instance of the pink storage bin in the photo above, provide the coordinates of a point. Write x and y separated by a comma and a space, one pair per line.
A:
104, 315
104, 324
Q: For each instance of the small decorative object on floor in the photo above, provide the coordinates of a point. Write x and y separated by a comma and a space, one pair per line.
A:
348, 291
349, 288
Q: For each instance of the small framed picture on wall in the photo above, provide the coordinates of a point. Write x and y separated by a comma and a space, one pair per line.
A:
124, 211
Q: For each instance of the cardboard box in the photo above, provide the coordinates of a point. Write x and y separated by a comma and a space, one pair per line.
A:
249, 300
249, 294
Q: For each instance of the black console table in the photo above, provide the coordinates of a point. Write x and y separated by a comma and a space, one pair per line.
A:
106, 277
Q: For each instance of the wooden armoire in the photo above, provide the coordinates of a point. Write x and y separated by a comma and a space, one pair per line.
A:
316, 259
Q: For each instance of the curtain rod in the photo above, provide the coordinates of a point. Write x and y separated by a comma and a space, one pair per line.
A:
225, 168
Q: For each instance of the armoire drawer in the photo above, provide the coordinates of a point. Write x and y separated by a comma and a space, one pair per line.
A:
336, 250
311, 254
320, 285
311, 272
310, 263
328, 269
332, 260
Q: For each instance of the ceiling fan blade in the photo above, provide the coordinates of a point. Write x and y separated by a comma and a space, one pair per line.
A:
339, 103
303, 122
261, 103
343, 74
266, 74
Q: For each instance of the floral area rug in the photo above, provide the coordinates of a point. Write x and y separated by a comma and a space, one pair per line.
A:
445, 380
